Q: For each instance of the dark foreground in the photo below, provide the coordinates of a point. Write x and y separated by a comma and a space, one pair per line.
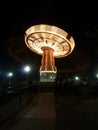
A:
51, 111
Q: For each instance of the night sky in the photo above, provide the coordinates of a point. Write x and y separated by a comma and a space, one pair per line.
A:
79, 19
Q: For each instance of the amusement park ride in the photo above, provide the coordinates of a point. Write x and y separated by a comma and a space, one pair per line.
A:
50, 42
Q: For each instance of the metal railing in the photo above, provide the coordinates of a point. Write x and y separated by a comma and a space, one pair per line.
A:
14, 98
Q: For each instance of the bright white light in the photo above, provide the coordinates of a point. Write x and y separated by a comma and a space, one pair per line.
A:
97, 75
10, 74
27, 69
76, 78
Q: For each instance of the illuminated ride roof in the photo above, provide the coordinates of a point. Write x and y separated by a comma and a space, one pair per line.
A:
43, 35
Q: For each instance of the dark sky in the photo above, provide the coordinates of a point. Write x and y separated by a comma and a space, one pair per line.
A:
79, 19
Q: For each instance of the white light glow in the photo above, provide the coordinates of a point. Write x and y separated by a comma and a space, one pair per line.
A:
77, 78
10, 74
97, 75
27, 69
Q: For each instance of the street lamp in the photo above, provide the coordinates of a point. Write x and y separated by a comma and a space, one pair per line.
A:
9, 75
77, 78
27, 70
97, 76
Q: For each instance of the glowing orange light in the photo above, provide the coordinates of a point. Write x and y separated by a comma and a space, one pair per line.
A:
50, 42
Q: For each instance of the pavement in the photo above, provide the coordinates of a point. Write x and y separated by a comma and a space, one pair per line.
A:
48, 111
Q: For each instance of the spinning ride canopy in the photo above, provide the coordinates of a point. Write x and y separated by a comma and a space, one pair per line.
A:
39, 36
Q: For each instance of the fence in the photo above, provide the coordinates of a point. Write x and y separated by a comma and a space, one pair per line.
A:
15, 98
